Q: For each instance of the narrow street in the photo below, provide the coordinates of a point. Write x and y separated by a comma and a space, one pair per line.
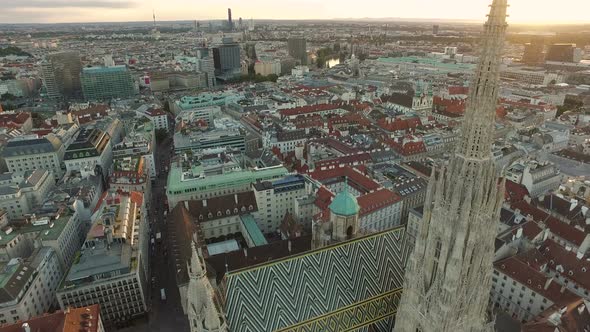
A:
165, 315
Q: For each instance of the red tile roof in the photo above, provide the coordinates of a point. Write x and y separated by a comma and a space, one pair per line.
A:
534, 279
574, 269
515, 192
90, 114
575, 318
455, 106
14, 120
355, 179
312, 121
323, 198
336, 144
310, 109
399, 124
530, 229
377, 200
136, 197
69, 320
349, 160
557, 227
458, 90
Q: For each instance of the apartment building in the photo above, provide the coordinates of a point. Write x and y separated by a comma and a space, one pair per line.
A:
111, 269
91, 148
277, 198
28, 285
21, 192
31, 154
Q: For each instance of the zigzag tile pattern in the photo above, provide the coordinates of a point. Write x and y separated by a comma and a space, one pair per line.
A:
283, 293
353, 317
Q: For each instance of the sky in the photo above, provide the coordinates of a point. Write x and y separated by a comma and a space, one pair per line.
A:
59, 11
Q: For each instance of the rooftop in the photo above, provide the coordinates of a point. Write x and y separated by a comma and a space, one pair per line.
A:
344, 204
104, 70
70, 320
99, 262
179, 181
22, 147
253, 231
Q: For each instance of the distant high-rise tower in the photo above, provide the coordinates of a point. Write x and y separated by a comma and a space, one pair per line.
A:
61, 74
206, 64
297, 48
230, 24
448, 276
240, 22
250, 48
435, 29
154, 15
533, 52
226, 57
561, 53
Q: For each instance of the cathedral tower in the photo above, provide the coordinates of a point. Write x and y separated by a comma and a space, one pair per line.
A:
448, 276
202, 313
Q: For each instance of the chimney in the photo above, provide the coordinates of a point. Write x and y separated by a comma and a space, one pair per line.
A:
289, 245
186, 205
236, 198
547, 283
26, 327
204, 203
246, 252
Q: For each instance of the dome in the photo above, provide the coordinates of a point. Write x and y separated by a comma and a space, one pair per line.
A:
344, 204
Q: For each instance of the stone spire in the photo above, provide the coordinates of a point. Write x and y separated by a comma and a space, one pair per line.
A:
197, 290
448, 276
212, 322
202, 313
195, 268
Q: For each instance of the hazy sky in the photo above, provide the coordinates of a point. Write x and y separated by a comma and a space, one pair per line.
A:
49, 11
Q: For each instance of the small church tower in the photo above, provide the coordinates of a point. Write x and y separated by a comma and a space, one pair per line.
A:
343, 222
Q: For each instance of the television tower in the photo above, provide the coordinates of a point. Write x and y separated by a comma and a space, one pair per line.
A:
229, 21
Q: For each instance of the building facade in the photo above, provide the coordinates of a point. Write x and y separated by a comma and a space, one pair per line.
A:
184, 185
91, 148
276, 199
22, 192
30, 286
28, 155
226, 57
112, 266
297, 48
105, 83
61, 74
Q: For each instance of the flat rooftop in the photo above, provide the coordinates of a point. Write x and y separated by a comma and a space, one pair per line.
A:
100, 262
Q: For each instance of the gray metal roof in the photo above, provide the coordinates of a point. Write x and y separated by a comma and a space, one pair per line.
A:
16, 148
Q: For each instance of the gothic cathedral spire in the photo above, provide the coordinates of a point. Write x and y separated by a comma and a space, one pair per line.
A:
448, 276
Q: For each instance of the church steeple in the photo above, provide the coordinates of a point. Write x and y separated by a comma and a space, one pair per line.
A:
479, 118
448, 276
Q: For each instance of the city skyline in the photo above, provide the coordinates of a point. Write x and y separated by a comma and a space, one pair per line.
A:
80, 11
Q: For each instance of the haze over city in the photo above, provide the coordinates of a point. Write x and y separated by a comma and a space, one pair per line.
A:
294, 165
59, 11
